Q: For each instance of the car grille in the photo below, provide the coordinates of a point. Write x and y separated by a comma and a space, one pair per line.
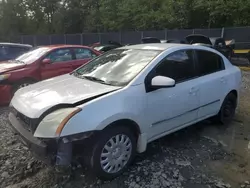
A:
28, 123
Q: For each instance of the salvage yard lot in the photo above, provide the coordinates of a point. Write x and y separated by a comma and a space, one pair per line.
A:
204, 155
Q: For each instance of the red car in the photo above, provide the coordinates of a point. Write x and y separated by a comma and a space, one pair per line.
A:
41, 63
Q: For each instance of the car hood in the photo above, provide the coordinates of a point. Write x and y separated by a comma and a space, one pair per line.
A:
6, 66
35, 99
192, 39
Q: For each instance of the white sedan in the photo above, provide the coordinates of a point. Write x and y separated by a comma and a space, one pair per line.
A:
112, 107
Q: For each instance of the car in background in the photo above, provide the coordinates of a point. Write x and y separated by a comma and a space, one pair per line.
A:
112, 107
106, 47
147, 40
12, 50
217, 43
177, 41
39, 64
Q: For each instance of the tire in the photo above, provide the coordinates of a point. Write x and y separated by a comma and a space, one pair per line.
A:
100, 166
227, 111
22, 84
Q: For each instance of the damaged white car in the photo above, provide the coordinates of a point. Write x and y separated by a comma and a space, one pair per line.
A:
112, 107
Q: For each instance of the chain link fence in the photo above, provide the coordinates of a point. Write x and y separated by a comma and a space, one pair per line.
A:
240, 34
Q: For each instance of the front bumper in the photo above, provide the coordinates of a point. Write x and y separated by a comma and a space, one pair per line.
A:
5, 94
41, 150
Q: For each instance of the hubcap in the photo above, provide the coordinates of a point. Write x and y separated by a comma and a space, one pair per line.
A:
116, 153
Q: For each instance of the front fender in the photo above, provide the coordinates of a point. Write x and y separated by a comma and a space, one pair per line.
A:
101, 112
77, 125
118, 117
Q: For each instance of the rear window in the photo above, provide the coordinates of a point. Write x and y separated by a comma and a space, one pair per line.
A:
209, 62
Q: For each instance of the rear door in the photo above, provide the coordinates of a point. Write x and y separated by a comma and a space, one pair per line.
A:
81, 56
213, 82
61, 60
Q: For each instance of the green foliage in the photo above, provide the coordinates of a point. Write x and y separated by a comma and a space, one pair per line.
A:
19, 17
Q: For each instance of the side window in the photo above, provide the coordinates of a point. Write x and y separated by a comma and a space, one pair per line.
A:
178, 65
60, 55
209, 62
83, 53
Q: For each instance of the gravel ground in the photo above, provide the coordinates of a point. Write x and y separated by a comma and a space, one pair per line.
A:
203, 156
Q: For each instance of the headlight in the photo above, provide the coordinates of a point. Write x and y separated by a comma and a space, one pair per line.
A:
52, 125
4, 77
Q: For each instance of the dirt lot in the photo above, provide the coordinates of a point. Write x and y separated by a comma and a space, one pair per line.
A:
202, 156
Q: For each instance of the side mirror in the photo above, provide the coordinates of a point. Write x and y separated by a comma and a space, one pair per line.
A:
162, 82
46, 61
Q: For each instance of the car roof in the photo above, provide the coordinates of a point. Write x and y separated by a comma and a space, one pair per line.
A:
154, 46
15, 44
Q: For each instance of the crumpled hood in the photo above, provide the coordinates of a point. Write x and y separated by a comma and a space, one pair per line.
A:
35, 99
6, 66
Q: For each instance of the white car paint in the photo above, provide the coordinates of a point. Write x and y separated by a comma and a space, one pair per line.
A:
35, 99
157, 113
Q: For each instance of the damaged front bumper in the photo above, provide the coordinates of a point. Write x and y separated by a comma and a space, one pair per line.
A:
45, 151
51, 151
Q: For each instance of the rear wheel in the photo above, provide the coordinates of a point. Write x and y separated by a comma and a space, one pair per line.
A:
227, 111
112, 152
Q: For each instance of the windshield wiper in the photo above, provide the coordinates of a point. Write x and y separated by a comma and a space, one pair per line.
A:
92, 78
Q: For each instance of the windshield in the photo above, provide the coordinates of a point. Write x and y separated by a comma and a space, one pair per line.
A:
32, 55
116, 67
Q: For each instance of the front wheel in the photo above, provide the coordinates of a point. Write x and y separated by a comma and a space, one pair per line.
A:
112, 152
21, 85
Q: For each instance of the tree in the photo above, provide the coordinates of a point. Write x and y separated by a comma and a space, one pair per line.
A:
18, 17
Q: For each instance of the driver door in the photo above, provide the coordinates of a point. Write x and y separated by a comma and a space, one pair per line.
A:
60, 63
171, 108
